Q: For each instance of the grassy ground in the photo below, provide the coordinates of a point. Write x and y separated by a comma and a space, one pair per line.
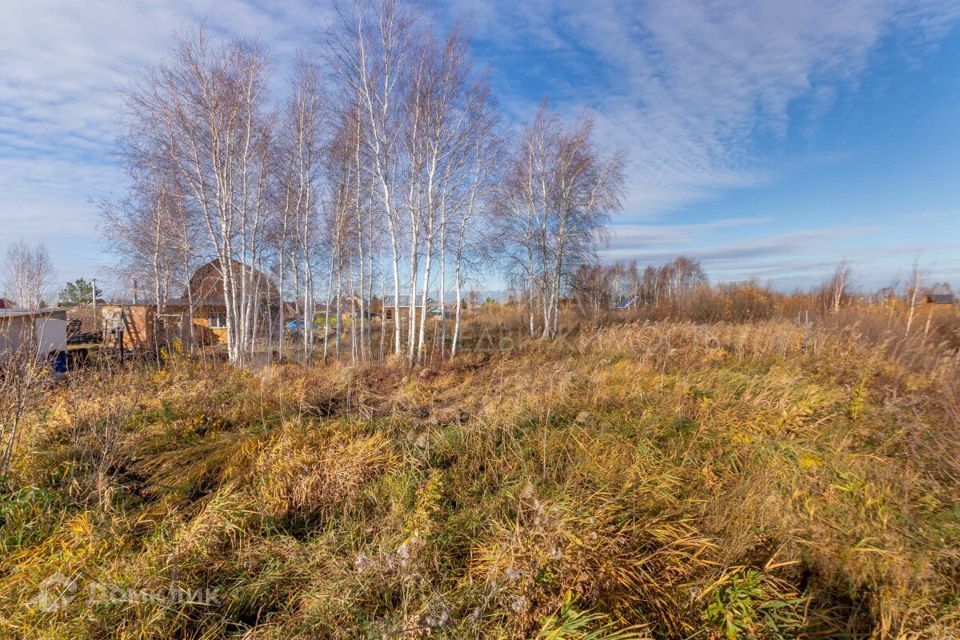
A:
669, 481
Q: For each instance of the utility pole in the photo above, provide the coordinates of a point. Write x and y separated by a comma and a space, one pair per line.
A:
93, 294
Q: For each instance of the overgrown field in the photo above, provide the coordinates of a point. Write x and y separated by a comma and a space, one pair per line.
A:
667, 481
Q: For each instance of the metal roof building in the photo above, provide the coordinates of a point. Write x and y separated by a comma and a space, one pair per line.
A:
42, 329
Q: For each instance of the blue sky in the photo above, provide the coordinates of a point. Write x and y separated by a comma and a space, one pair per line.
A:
768, 139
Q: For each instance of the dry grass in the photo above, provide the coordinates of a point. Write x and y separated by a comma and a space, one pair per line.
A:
666, 480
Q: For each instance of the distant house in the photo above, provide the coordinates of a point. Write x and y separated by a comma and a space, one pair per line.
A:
202, 302
433, 308
387, 306
940, 298
7, 304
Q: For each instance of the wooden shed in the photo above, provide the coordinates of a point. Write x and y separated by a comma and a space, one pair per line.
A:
135, 321
199, 315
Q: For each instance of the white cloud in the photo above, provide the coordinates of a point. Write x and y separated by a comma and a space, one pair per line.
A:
688, 87
63, 64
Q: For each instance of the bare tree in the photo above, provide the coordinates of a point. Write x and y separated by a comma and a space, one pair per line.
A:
838, 285
554, 203
443, 101
342, 204
299, 149
913, 293
23, 376
414, 100
591, 288
27, 274
667, 284
205, 109
370, 54
484, 153
145, 228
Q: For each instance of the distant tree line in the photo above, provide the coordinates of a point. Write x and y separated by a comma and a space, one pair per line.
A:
622, 283
680, 290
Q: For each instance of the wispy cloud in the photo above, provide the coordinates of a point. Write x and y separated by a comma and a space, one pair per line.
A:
737, 252
60, 107
688, 87
631, 237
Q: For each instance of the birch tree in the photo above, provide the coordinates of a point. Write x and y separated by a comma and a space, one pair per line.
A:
300, 142
206, 109
142, 230
470, 220
27, 274
369, 52
555, 201
838, 286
